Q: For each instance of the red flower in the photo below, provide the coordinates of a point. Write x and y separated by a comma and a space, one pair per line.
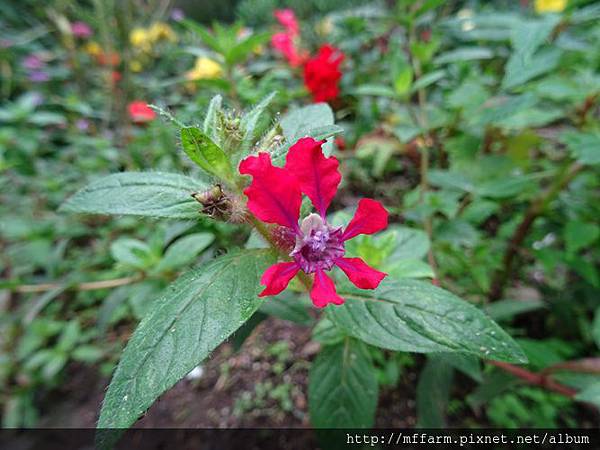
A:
275, 196
287, 19
286, 42
140, 112
115, 76
322, 73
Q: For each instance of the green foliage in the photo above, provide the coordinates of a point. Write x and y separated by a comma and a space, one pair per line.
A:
342, 388
204, 152
198, 312
414, 316
153, 194
476, 125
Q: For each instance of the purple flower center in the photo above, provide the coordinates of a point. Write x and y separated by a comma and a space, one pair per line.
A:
318, 245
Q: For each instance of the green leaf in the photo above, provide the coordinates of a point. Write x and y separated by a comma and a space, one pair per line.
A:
326, 333
193, 316
409, 268
296, 123
206, 36
507, 309
184, 250
591, 394
428, 79
596, 327
288, 306
210, 126
579, 235
244, 49
401, 73
415, 316
410, 243
154, 194
433, 393
468, 364
342, 388
250, 121
522, 68
131, 252
205, 153
528, 35
585, 147
464, 54
377, 90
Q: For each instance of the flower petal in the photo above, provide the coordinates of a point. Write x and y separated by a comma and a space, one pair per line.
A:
323, 291
370, 217
274, 195
317, 175
277, 277
360, 273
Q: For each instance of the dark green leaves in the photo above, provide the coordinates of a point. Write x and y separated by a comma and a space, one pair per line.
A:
342, 388
584, 147
204, 152
154, 194
194, 315
414, 316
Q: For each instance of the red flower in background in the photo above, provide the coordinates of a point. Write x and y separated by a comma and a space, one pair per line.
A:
287, 19
322, 73
275, 196
286, 42
140, 112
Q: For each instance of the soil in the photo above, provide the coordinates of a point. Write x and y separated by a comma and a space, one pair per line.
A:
236, 390
228, 394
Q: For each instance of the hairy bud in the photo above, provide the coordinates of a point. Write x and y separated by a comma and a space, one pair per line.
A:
221, 205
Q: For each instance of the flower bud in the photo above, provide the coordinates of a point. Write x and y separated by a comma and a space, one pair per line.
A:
221, 205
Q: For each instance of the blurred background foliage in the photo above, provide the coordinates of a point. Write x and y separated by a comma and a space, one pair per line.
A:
500, 95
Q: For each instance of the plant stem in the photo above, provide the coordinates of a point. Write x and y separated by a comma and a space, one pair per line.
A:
424, 169
536, 208
535, 379
86, 286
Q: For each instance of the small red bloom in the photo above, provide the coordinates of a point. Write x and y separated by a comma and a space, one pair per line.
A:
286, 42
322, 73
140, 112
115, 76
287, 19
275, 196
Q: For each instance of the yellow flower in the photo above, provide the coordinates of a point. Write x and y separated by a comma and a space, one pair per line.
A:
160, 31
135, 66
205, 68
139, 37
92, 48
546, 6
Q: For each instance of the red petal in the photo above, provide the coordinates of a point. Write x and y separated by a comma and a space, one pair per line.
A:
323, 291
277, 277
370, 217
287, 18
362, 275
274, 195
318, 176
